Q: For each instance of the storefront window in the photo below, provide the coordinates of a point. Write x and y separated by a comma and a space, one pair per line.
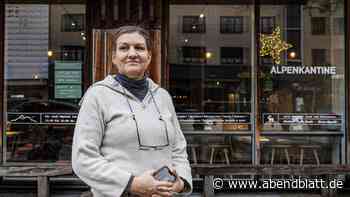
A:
44, 61
297, 52
303, 94
210, 79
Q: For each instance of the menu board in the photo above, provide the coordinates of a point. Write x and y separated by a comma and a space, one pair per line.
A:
68, 79
26, 41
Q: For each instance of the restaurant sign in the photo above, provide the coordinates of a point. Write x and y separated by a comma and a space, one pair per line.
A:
303, 70
272, 46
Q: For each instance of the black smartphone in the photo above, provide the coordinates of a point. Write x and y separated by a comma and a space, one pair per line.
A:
164, 174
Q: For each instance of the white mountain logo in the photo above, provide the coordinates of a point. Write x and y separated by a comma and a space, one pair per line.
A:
23, 117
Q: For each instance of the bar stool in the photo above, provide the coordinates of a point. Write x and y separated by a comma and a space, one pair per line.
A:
219, 148
284, 147
314, 149
193, 148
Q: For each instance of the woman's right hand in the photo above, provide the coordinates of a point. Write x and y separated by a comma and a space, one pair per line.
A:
146, 185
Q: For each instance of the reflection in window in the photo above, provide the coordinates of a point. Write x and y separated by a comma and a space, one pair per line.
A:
338, 56
293, 103
339, 25
193, 24
73, 22
194, 54
293, 38
73, 53
293, 16
232, 55
319, 56
267, 24
43, 84
266, 60
211, 84
231, 24
27, 41
318, 25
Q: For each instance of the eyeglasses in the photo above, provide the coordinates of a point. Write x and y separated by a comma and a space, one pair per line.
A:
163, 122
155, 147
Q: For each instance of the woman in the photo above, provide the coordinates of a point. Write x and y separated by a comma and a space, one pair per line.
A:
127, 128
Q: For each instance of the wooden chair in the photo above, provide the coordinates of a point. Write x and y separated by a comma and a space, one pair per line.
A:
194, 148
313, 148
276, 147
219, 148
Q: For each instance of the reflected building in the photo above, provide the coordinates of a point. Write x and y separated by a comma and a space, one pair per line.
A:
37, 36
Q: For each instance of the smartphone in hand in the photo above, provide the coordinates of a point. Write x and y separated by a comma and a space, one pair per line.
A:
164, 174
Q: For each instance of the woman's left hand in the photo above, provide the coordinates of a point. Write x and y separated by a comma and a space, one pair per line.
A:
179, 183
177, 187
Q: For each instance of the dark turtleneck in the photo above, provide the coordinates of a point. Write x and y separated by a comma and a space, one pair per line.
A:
138, 88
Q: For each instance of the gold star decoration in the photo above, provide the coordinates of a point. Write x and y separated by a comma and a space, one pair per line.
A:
272, 45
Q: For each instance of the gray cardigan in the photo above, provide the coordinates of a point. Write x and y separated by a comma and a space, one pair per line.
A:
105, 145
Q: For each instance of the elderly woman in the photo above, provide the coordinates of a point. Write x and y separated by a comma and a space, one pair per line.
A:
127, 128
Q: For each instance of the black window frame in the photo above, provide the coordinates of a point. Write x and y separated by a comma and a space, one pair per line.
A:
188, 22
68, 19
318, 25
235, 51
197, 54
234, 24
266, 26
79, 53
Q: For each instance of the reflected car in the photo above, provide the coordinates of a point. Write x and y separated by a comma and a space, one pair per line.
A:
29, 138
42, 106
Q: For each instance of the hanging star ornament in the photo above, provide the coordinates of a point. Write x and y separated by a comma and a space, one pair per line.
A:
272, 45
